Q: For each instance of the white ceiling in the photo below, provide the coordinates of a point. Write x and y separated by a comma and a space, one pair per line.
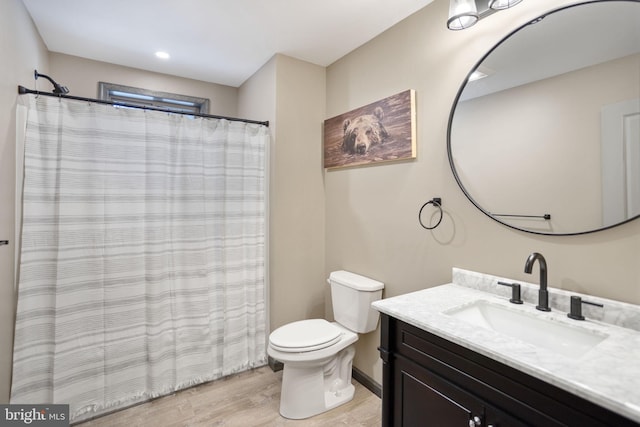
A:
219, 41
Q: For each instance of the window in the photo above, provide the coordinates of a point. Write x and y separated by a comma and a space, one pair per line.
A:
148, 98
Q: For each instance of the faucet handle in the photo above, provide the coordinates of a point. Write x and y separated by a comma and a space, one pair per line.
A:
576, 307
515, 292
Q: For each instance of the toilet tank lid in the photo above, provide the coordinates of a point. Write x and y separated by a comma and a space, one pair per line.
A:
355, 281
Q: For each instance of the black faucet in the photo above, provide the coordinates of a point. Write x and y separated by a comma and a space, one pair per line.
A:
543, 294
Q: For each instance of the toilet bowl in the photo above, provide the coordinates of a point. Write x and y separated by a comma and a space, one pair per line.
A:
317, 355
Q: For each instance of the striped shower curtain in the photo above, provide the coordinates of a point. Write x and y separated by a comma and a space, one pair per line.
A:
142, 263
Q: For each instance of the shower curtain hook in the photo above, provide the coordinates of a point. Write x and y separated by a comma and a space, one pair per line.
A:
35, 83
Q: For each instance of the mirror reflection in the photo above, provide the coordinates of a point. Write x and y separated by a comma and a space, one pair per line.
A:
552, 125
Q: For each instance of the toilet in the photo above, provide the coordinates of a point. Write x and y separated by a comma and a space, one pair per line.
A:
318, 355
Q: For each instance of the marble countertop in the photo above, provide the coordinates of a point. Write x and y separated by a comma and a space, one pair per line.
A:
607, 374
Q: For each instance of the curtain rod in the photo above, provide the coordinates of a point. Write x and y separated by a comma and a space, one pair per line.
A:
23, 91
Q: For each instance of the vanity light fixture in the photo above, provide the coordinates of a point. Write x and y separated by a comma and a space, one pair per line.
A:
462, 14
465, 13
502, 4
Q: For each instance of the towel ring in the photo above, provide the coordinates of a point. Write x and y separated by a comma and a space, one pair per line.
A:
436, 202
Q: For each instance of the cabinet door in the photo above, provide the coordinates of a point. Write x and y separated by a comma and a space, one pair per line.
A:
424, 399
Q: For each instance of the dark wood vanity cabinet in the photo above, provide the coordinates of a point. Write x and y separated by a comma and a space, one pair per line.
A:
429, 381
427, 399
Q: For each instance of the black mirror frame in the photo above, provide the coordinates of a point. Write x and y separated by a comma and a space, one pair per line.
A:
453, 110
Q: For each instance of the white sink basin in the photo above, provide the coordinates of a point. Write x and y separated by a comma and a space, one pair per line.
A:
534, 328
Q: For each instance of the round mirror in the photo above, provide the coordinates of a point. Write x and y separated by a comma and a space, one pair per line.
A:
544, 135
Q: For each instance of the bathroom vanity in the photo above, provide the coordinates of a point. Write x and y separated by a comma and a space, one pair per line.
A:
445, 365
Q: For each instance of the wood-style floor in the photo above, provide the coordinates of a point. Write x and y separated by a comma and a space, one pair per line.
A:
247, 399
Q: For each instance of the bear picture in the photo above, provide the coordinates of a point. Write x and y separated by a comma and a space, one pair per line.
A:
378, 132
363, 132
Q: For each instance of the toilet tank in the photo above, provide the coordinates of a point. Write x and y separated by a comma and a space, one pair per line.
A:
351, 296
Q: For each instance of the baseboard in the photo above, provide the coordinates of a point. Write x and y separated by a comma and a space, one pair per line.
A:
367, 381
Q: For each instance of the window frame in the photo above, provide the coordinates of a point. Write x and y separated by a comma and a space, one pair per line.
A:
163, 100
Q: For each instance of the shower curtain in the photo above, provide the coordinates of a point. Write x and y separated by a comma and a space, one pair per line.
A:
142, 263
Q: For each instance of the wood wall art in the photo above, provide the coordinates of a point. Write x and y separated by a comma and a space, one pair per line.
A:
379, 132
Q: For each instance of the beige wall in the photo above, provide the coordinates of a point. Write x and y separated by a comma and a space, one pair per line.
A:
81, 76
257, 95
257, 98
296, 92
22, 51
371, 212
297, 224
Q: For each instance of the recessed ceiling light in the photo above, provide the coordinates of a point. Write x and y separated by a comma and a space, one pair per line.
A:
477, 75
480, 73
162, 55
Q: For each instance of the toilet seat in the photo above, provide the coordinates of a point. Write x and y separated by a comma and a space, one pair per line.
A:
305, 335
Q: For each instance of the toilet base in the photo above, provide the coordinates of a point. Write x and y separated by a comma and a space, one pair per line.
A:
312, 390
300, 405
335, 399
